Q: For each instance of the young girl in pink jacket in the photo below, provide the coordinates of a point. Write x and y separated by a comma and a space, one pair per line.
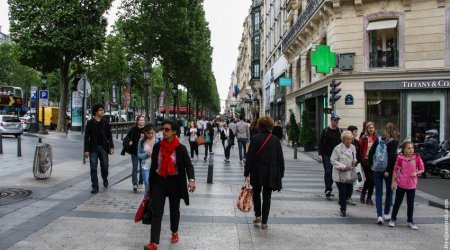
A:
404, 179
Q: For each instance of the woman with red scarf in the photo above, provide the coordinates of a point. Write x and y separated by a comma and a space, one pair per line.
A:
169, 173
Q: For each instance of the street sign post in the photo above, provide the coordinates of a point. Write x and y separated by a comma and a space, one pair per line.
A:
43, 98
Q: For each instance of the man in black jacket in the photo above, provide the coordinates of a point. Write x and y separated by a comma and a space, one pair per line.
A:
98, 144
329, 139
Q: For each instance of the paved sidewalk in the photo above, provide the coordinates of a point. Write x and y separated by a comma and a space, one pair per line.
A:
66, 216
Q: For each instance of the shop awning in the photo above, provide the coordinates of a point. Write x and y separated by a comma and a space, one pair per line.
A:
382, 25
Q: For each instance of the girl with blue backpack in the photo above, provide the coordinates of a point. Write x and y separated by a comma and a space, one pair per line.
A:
383, 154
209, 137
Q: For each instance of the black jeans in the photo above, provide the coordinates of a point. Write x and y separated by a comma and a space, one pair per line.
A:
194, 148
162, 188
399, 194
267, 193
328, 176
227, 150
208, 145
94, 157
368, 184
344, 190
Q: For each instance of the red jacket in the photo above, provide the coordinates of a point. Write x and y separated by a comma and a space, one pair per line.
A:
363, 144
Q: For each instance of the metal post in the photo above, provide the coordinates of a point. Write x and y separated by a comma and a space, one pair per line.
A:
19, 146
40, 139
210, 168
83, 119
1, 144
295, 149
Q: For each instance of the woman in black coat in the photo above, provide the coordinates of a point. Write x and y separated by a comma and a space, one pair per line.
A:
265, 166
277, 130
227, 137
170, 170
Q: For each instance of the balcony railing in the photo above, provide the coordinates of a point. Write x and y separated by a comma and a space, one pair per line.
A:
302, 20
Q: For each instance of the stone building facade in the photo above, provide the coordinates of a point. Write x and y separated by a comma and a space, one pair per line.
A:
393, 63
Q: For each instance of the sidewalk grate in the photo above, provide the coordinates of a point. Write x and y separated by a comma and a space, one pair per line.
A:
10, 195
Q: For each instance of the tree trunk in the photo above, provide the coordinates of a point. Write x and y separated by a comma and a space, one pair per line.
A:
64, 74
149, 112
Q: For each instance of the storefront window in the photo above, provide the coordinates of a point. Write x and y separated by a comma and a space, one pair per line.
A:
384, 107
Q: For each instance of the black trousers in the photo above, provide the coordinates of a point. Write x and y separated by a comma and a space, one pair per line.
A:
345, 189
267, 193
162, 188
208, 145
368, 184
399, 194
328, 173
227, 151
194, 148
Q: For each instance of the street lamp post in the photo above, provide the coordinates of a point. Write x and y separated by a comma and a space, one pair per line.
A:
44, 86
147, 78
174, 92
103, 95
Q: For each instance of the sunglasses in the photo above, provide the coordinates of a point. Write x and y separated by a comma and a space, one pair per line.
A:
150, 132
167, 129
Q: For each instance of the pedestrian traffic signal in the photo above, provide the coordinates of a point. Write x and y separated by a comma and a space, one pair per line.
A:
334, 91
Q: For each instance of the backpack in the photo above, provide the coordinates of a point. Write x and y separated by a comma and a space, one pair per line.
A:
380, 158
126, 145
207, 137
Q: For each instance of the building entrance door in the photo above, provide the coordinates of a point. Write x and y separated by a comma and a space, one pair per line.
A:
425, 112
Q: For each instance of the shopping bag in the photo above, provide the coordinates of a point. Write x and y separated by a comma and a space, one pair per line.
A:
245, 199
144, 211
140, 210
359, 183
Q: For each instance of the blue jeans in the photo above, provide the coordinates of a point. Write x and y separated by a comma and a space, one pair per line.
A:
378, 178
242, 142
102, 155
134, 173
328, 175
145, 177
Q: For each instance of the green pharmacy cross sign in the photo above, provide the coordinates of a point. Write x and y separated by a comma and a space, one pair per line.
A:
323, 59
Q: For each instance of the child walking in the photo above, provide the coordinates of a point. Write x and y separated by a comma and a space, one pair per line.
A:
404, 179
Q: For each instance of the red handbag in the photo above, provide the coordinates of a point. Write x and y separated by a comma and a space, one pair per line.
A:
141, 209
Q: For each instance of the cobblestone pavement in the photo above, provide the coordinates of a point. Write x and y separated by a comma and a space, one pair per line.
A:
62, 214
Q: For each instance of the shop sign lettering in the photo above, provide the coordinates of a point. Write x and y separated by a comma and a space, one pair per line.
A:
426, 84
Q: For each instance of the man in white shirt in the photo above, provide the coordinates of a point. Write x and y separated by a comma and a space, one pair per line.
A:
200, 126
243, 136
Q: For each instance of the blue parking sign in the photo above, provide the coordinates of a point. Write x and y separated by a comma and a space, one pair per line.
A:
43, 94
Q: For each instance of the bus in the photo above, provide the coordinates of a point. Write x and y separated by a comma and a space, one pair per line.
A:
11, 101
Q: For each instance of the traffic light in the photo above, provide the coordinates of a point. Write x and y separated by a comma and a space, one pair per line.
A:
334, 91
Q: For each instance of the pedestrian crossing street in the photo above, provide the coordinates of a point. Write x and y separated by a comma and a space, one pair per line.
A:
300, 175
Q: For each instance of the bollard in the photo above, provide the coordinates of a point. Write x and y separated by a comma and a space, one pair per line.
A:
295, 149
40, 140
1, 144
210, 168
19, 146
121, 131
117, 132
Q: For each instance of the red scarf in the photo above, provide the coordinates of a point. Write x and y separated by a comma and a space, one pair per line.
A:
167, 149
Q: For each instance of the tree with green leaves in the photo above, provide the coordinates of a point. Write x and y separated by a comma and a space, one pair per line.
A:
53, 35
307, 136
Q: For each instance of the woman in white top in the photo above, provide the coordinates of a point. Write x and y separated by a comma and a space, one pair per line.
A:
193, 133
145, 149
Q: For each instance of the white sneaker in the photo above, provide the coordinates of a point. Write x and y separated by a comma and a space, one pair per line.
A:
412, 226
387, 217
392, 223
380, 220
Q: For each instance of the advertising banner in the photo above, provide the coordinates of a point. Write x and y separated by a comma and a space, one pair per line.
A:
77, 110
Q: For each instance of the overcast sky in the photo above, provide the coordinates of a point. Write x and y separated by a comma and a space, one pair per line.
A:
225, 19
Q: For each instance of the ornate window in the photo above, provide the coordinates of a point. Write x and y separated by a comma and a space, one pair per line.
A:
383, 43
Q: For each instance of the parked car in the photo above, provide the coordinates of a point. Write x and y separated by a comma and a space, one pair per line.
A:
10, 125
25, 122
